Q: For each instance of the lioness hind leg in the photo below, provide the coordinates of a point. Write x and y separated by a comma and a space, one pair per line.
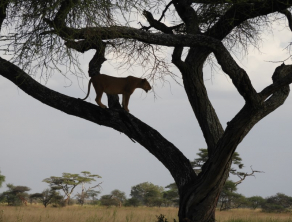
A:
98, 99
125, 102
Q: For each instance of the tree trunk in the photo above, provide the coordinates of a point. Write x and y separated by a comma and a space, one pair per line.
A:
198, 199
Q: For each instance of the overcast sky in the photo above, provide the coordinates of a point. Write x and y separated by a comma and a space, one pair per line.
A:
37, 141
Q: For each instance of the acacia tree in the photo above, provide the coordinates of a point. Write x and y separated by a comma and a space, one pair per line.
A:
51, 31
68, 182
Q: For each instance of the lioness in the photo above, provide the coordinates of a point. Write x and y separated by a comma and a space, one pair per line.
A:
113, 85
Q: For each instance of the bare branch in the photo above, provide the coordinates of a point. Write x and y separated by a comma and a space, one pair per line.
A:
242, 176
163, 13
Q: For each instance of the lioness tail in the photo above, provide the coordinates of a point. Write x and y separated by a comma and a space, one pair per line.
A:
88, 89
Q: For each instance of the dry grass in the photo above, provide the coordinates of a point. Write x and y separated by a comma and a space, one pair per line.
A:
38, 213
83, 214
247, 215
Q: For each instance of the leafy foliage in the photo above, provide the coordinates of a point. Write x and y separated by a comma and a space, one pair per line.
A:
15, 195
134, 202
2, 179
148, 194
107, 200
229, 199
255, 202
277, 203
48, 196
171, 196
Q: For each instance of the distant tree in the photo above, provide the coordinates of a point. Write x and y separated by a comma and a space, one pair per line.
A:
35, 197
132, 202
81, 197
147, 193
236, 165
93, 194
47, 197
56, 199
278, 203
68, 182
171, 196
255, 202
107, 200
15, 195
2, 179
85, 194
84, 191
229, 199
119, 196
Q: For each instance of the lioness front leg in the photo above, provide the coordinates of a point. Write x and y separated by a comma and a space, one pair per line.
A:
98, 99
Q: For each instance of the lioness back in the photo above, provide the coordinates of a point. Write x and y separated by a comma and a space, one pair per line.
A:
115, 85
112, 85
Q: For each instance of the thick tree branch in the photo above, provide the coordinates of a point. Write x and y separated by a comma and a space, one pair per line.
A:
98, 59
243, 122
156, 24
227, 1
61, 15
188, 15
176, 58
282, 77
197, 93
238, 75
118, 119
289, 17
3, 7
198, 96
80, 46
219, 163
239, 13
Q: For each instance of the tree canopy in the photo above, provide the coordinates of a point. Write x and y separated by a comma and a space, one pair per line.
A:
15, 195
39, 36
68, 182
2, 179
147, 193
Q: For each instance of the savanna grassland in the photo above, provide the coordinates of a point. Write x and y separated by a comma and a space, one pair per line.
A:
38, 213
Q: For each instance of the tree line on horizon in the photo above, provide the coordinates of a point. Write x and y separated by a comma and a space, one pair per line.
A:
143, 194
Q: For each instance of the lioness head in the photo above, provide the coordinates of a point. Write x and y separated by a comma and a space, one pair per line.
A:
145, 85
